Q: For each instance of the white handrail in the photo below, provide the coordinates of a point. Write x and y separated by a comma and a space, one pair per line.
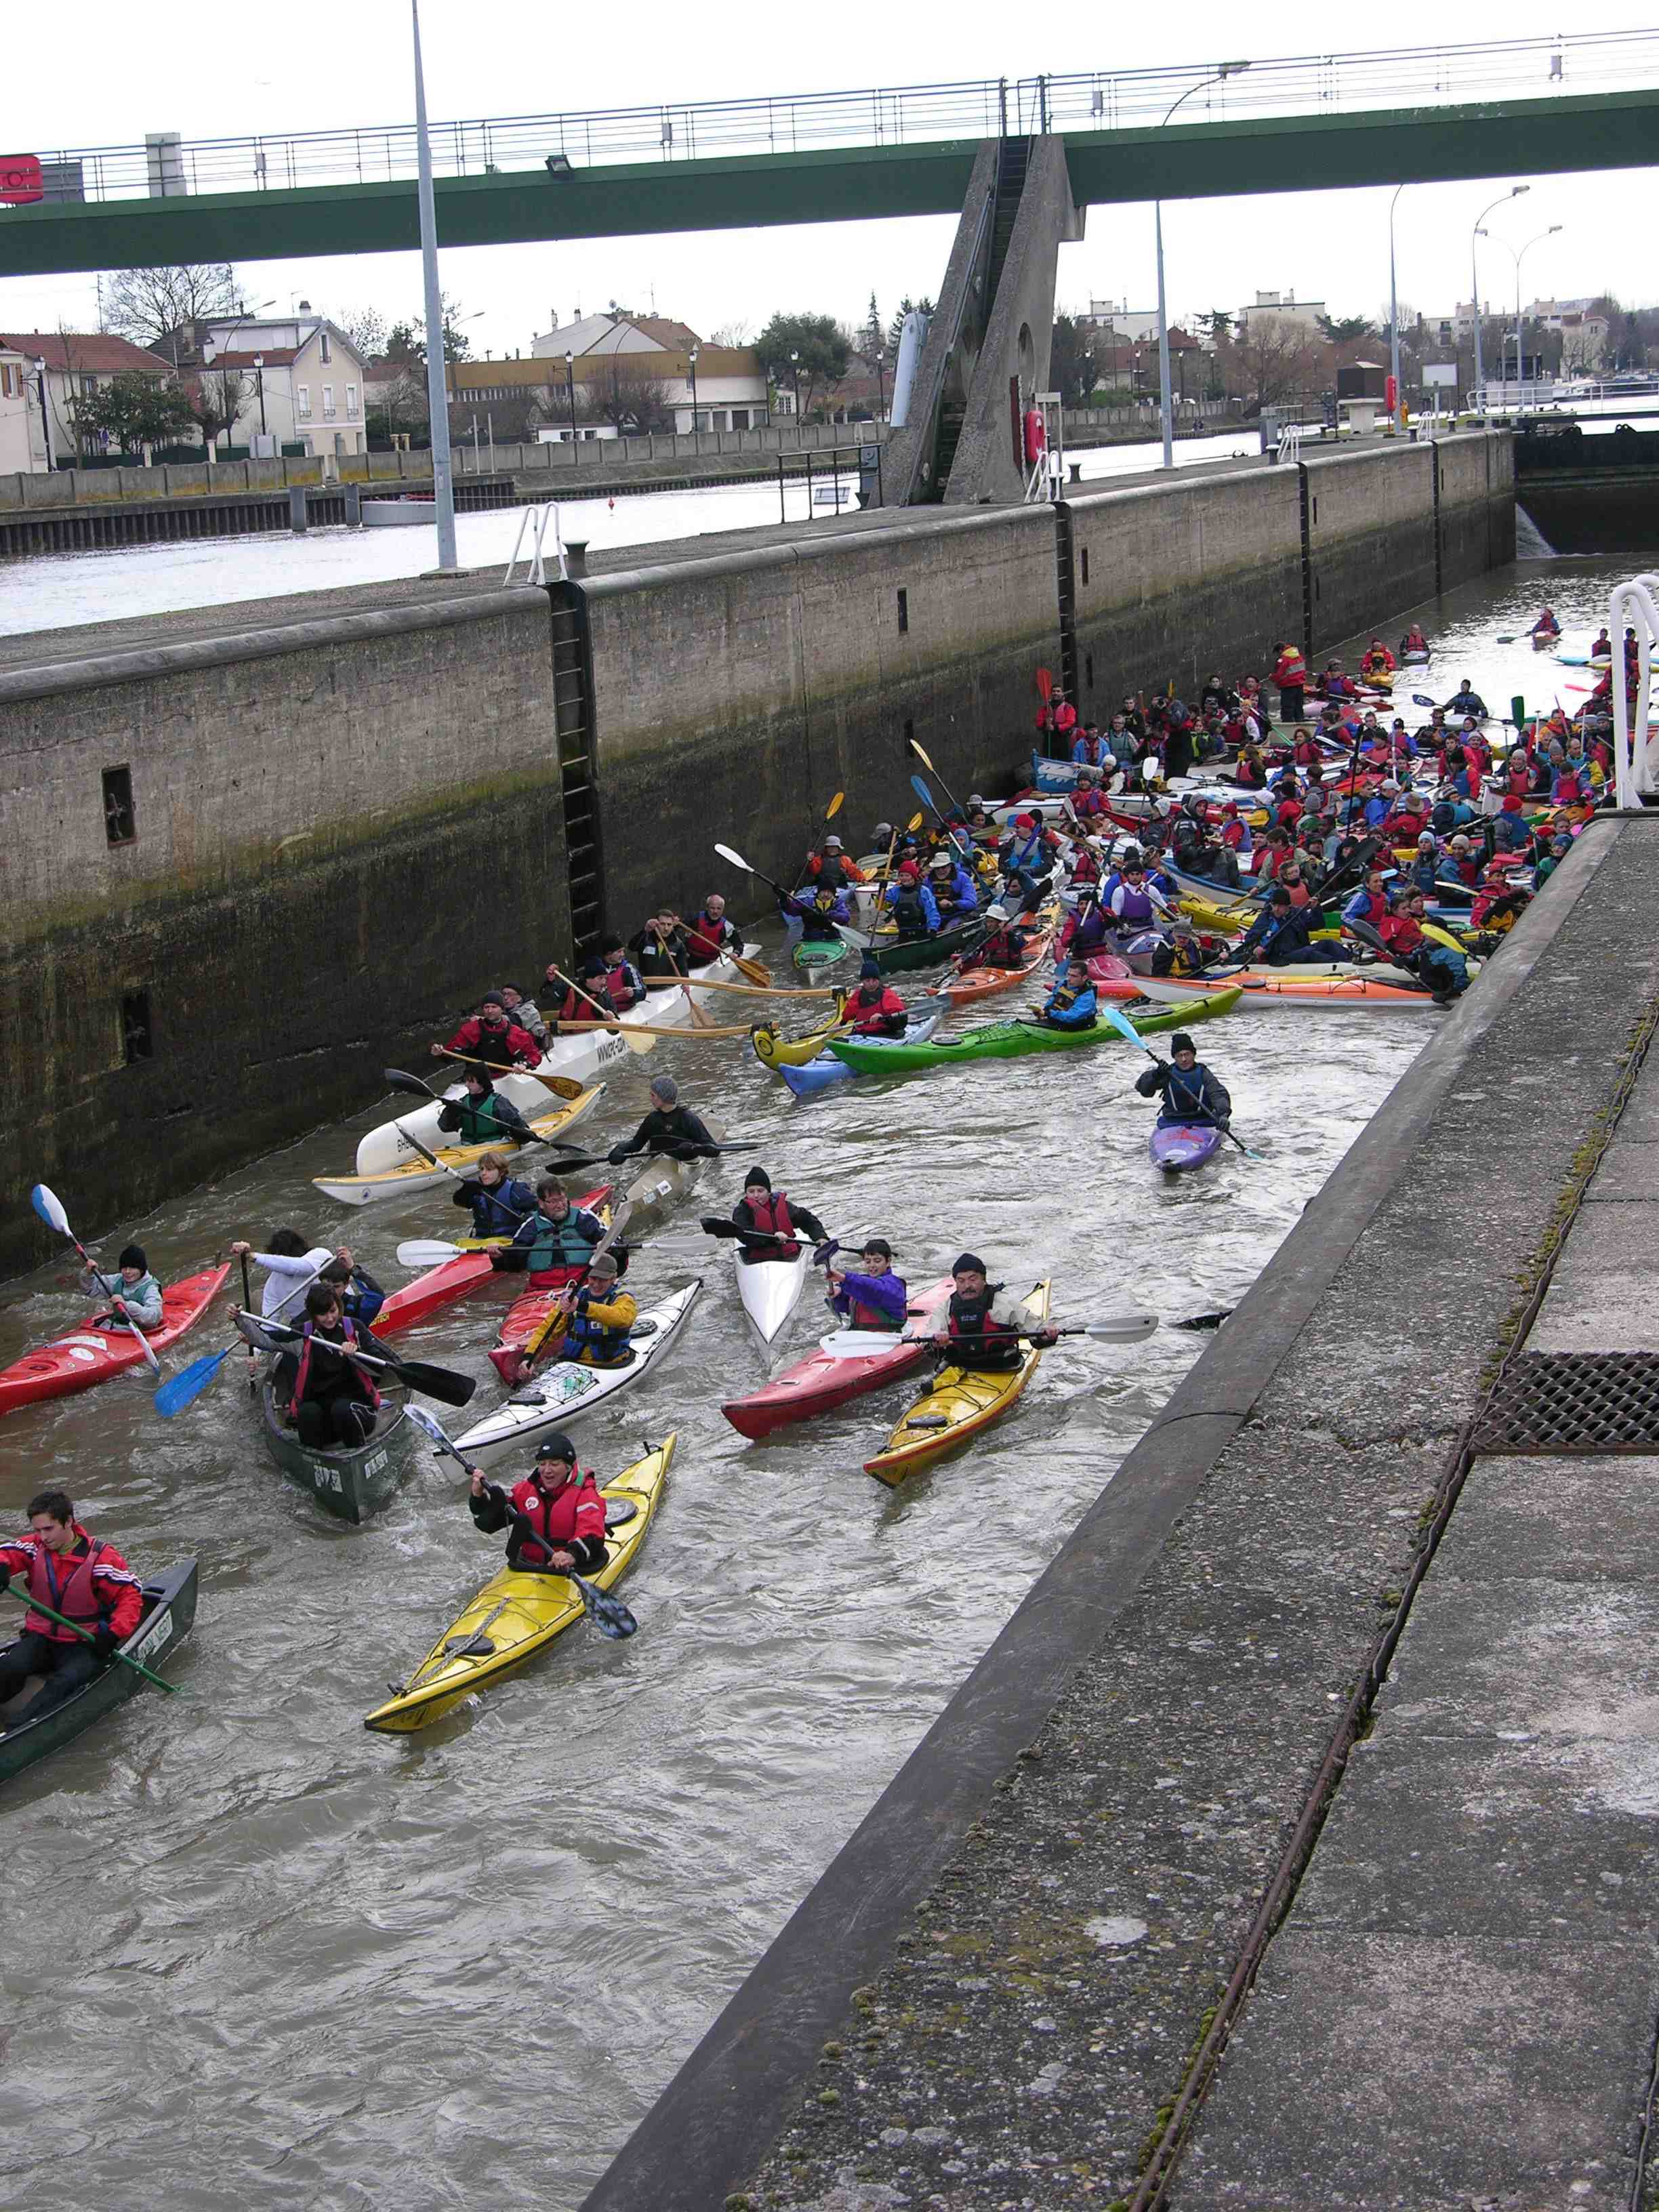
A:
1290, 443
1632, 605
540, 518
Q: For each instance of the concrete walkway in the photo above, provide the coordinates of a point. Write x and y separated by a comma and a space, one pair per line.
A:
1461, 2009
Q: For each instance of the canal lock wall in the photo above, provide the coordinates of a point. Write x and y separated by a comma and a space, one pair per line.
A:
242, 869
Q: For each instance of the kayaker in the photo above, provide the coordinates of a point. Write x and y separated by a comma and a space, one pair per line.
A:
1025, 857
819, 917
875, 1009
955, 893
1070, 1004
334, 1400
869, 1295
290, 1266
554, 1242
599, 1316
79, 1575
133, 1292
831, 868
1190, 1093
489, 1036
481, 1115
1466, 700
661, 949
500, 1204
1546, 626
556, 1514
1559, 847
1130, 903
708, 934
1413, 641
668, 1128
914, 909
1370, 903
1376, 660
1008, 945
528, 1014
361, 1296
566, 999
1090, 749
767, 1212
984, 1326
1282, 936
624, 985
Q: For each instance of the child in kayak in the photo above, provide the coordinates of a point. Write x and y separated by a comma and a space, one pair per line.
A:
870, 1296
133, 1292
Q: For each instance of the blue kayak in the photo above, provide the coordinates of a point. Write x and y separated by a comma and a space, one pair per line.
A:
1178, 1145
818, 1074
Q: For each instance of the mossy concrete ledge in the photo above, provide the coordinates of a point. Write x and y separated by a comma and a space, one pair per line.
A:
990, 1998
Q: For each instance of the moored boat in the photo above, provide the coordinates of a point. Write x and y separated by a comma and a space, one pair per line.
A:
1005, 1041
1176, 1146
414, 1174
169, 1611
820, 1382
516, 1614
352, 1482
960, 1403
87, 1355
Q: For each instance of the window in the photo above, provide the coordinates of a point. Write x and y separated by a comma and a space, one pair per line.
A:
1085, 564
137, 1039
903, 612
351, 399
322, 337
120, 824
328, 402
304, 408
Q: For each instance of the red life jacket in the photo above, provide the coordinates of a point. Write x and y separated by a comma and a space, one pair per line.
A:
1065, 719
616, 981
364, 1381
872, 1021
969, 1326
68, 1589
773, 1220
575, 1511
1292, 670
702, 947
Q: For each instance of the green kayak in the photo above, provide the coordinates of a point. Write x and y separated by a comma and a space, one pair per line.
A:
1012, 1040
895, 955
820, 951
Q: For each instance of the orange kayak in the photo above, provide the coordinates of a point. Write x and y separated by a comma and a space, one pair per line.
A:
973, 984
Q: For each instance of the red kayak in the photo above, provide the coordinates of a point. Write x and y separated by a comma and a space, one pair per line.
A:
528, 1311
92, 1355
440, 1286
818, 1383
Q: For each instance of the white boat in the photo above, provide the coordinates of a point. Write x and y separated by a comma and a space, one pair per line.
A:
397, 514
416, 1174
568, 1393
770, 1289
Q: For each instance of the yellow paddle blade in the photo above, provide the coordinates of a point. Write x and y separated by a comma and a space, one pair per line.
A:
833, 807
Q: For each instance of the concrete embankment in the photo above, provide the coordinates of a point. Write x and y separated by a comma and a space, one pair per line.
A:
252, 851
995, 1996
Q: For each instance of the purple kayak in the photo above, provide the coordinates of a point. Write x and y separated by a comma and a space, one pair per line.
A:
1178, 1145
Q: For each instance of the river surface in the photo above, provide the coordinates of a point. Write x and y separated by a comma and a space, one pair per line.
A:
258, 1956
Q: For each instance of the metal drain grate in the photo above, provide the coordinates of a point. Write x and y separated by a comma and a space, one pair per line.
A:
1575, 1401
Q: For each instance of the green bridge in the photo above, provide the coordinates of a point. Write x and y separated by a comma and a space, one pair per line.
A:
1520, 107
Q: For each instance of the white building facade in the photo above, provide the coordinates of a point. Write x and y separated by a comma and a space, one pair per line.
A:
301, 383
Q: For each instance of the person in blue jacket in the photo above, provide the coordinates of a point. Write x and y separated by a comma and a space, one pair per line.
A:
1192, 1095
1070, 1004
955, 893
500, 1204
915, 908
870, 1296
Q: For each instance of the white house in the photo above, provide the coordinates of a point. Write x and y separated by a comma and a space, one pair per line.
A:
1281, 311
300, 382
18, 402
722, 388
76, 363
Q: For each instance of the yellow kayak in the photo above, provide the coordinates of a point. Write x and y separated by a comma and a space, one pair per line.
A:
419, 1174
961, 1402
775, 1050
515, 1615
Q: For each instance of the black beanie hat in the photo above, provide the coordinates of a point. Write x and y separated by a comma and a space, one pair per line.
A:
134, 1257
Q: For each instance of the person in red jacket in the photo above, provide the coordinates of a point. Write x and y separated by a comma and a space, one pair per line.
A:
875, 1009
489, 1037
76, 1575
556, 1514
1290, 675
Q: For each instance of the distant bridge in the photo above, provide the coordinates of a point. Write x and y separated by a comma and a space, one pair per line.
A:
1527, 107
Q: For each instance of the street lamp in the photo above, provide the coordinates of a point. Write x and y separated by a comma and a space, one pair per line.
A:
693, 391
259, 378
1393, 320
881, 385
437, 379
1513, 193
794, 370
244, 315
1518, 255
1166, 406
570, 390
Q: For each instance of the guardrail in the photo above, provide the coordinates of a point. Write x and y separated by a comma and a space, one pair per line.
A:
1072, 102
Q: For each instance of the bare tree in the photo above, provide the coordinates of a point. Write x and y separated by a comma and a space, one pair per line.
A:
79, 410
366, 327
1270, 363
736, 334
155, 307
217, 397
630, 395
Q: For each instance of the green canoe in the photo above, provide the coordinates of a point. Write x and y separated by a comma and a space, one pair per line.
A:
1012, 1040
894, 955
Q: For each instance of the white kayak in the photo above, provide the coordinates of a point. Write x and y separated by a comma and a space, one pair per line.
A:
770, 1289
563, 1394
416, 1174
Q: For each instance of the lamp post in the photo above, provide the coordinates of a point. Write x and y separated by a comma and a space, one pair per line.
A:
881, 385
1393, 320
1513, 193
1166, 405
693, 391
1517, 254
259, 378
437, 382
570, 393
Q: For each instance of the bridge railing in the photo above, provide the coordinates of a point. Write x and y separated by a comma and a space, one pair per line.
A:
1073, 102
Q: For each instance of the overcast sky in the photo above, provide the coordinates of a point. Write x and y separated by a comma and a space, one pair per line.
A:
211, 77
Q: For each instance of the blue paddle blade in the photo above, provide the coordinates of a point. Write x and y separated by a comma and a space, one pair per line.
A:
1125, 1028
422, 1419
190, 1382
47, 1204
608, 1614
919, 785
1419, 700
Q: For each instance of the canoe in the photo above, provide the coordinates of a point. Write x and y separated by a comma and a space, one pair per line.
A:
770, 1289
818, 1383
1007, 1041
89, 1355
777, 1052
958, 1403
1178, 1145
813, 952
351, 1485
169, 1610
820, 1073
972, 984
516, 1615
896, 956
1122, 989
561, 1395
1267, 990
415, 1175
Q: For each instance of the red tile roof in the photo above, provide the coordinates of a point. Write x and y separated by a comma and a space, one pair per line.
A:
86, 353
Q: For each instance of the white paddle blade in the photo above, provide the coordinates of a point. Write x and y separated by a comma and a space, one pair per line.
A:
1123, 1328
50, 1207
857, 1343
736, 858
426, 1252
434, 1429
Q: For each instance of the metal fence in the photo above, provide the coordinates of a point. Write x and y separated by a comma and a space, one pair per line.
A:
1075, 102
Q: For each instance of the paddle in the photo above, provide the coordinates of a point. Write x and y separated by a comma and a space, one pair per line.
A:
433, 1251
959, 838
561, 1086
711, 1226
189, 1382
172, 1689
443, 1384
608, 1614
1121, 1329
559, 1306
649, 1029
1125, 1028
920, 752
50, 1207
769, 990
1205, 1321
699, 1020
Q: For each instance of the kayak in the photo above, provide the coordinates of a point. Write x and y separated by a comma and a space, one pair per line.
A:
821, 952
352, 1483
777, 1052
1121, 990
663, 1182
818, 1074
530, 1308
169, 1611
896, 956
89, 1355
819, 1383
1178, 1145
517, 1614
567, 1392
438, 1287
770, 1289
1265, 989
972, 984
415, 1174
958, 1403
1008, 1041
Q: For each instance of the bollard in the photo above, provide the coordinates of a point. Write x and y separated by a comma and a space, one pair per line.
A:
354, 500
1076, 468
575, 557
297, 517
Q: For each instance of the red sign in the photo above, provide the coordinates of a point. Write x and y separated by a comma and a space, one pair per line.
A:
20, 179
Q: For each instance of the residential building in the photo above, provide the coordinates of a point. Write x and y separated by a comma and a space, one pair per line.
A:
1118, 319
616, 332
77, 363
1281, 311
535, 390
301, 382
20, 410
731, 392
